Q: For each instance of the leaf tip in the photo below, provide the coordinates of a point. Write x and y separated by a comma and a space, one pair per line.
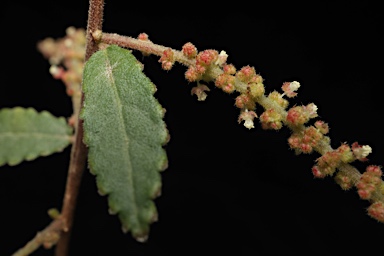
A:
155, 217
100, 189
167, 137
163, 163
112, 211
156, 191
154, 88
125, 229
142, 239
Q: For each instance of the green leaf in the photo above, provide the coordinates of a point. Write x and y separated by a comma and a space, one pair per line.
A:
125, 134
26, 134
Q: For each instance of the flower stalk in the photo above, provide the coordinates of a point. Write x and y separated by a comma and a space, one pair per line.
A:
209, 66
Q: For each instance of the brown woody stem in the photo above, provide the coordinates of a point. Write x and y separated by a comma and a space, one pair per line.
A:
79, 150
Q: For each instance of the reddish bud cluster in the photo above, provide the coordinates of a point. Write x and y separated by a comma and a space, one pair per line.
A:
203, 60
143, 37
306, 141
226, 82
376, 211
278, 98
301, 114
369, 181
244, 101
229, 69
206, 57
344, 181
322, 127
327, 163
346, 155
167, 59
251, 86
296, 116
246, 74
256, 90
191, 74
270, 119
189, 50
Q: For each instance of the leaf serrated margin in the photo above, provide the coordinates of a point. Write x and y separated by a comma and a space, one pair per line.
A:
26, 134
125, 134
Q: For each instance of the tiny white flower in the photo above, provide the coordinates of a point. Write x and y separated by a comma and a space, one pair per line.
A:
247, 117
290, 88
249, 124
293, 86
202, 96
362, 152
54, 70
222, 58
311, 110
68, 43
199, 91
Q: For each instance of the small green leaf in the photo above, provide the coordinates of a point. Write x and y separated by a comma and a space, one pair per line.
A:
125, 133
26, 134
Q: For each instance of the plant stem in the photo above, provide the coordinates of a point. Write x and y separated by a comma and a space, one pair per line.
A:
79, 150
144, 46
48, 237
95, 22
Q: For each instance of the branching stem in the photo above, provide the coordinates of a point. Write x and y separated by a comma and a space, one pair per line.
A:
47, 237
143, 46
79, 150
58, 232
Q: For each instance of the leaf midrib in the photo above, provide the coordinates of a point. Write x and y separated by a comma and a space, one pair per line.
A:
126, 137
34, 134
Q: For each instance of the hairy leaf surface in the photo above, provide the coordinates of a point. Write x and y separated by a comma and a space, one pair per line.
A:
26, 134
125, 133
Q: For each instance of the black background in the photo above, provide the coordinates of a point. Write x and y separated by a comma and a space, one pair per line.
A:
227, 189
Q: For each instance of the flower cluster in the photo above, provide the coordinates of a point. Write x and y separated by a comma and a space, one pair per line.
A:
66, 56
369, 181
376, 211
226, 82
305, 141
327, 163
167, 59
276, 97
144, 37
344, 181
270, 119
203, 62
299, 115
211, 66
189, 50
